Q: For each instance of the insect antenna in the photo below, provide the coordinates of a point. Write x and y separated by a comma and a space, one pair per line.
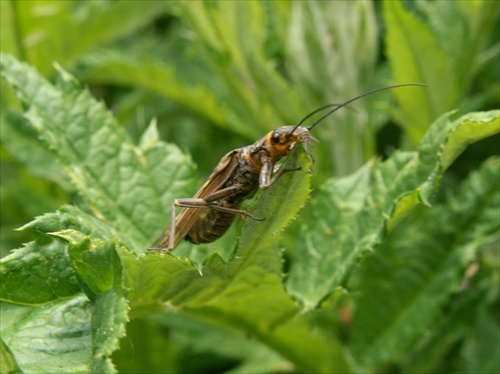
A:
313, 113
338, 106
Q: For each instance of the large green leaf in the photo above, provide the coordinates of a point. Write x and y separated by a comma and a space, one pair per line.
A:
330, 246
436, 350
443, 50
349, 216
37, 273
37, 27
124, 68
278, 206
481, 354
55, 338
21, 140
419, 265
127, 187
7, 360
73, 334
234, 345
416, 56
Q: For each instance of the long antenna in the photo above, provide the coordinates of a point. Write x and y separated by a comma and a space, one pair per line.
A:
337, 107
319, 110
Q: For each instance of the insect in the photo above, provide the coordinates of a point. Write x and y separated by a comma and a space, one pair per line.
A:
237, 176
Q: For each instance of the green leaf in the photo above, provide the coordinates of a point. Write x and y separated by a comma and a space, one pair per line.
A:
108, 326
349, 216
21, 140
416, 56
157, 277
220, 340
40, 271
418, 266
70, 217
273, 320
37, 27
113, 20
462, 29
150, 348
164, 283
55, 338
65, 335
95, 261
442, 48
37, 273
123, 68
444, 141
436, 351
99, 270
330, 240
127, 188
480, 353
313, 354
8, 362
335, 42
278, 205
469, 129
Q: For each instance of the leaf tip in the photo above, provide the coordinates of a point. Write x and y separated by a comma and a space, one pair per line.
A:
150, 137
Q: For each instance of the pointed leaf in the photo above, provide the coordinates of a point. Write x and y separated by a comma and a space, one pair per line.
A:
416, 56
108, 326
339, 202
126, 187
278, 205
347, 223
419, 265
37, 273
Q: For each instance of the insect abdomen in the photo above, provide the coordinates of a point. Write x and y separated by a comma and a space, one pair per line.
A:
210, 227
215, 223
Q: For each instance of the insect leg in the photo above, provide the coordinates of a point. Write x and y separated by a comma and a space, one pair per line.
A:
265, 180
282, 171
227, 192
209, 202
194, 203
235, 211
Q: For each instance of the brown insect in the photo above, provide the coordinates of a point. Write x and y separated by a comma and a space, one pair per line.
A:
237, 177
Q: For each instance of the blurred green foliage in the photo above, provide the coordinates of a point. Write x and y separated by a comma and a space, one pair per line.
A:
211, 76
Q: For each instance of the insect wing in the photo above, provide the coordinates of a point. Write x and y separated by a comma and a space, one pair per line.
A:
183, 222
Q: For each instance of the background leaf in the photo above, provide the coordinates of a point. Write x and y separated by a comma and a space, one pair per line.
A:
55, 337
433, 52
405, 286
358, 208
98, 156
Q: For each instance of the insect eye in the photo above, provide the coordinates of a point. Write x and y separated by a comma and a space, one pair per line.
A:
275, 138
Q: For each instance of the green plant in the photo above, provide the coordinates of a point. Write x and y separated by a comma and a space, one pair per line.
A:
422, 301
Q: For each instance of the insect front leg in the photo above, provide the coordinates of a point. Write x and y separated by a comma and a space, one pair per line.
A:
266, 179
